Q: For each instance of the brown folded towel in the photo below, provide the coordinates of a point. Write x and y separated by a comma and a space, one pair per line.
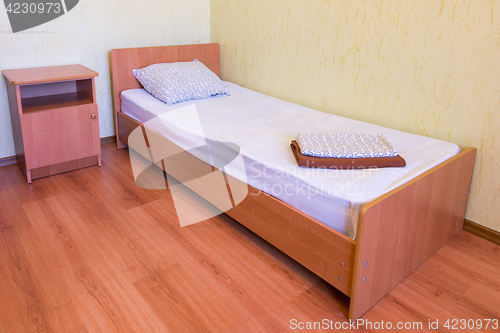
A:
345, 163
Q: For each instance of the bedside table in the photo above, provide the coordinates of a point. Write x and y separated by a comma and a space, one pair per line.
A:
54, 119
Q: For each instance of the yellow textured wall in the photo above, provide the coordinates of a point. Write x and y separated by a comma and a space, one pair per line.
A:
426, 67
87, 33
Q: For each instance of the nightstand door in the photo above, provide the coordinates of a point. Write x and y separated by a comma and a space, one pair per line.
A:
60, 135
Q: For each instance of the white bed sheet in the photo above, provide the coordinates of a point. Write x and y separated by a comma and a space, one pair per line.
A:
263, 128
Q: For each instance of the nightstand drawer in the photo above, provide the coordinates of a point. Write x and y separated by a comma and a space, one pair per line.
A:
62, 135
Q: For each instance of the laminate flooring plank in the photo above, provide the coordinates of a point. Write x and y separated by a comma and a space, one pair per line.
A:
11, 212
209, 303
12, 304
216, 299
115, 242
105, 300
170, 303
62, 308
322, 301
233, 257
202, 242
271, 269
42, 188
406, 306
79, 329
95, 304
44, 306
119, 160
285, 268
479, 303
207, 271
236, 253
112, 182
466, 267
119, 182
258, 281
120, 233
28, 272
477, 247
442, 289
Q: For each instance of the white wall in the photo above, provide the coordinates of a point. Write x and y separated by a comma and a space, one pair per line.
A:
86, 34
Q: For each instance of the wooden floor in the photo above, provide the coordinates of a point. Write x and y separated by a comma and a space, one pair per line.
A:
89, 251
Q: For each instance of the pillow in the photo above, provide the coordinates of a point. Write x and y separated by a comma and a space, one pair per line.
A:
180, 81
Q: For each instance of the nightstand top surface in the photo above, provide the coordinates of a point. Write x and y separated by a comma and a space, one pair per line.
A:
48, 74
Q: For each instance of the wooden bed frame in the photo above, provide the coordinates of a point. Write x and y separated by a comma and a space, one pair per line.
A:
396, 232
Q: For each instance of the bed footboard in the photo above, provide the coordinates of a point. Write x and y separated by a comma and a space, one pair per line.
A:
400, 230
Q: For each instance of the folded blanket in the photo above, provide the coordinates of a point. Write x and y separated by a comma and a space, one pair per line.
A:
345, 145
345, 163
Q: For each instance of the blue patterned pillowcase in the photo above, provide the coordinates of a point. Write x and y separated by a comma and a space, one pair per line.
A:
180, 81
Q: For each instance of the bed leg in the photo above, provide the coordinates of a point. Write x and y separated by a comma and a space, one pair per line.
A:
119, 143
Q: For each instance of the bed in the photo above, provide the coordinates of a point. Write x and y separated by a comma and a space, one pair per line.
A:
396, 232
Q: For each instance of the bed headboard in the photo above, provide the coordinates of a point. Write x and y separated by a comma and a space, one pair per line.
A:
123, 61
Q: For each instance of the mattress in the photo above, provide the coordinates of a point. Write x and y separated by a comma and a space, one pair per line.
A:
263, 127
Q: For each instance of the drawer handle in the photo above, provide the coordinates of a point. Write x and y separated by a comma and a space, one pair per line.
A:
94, 116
